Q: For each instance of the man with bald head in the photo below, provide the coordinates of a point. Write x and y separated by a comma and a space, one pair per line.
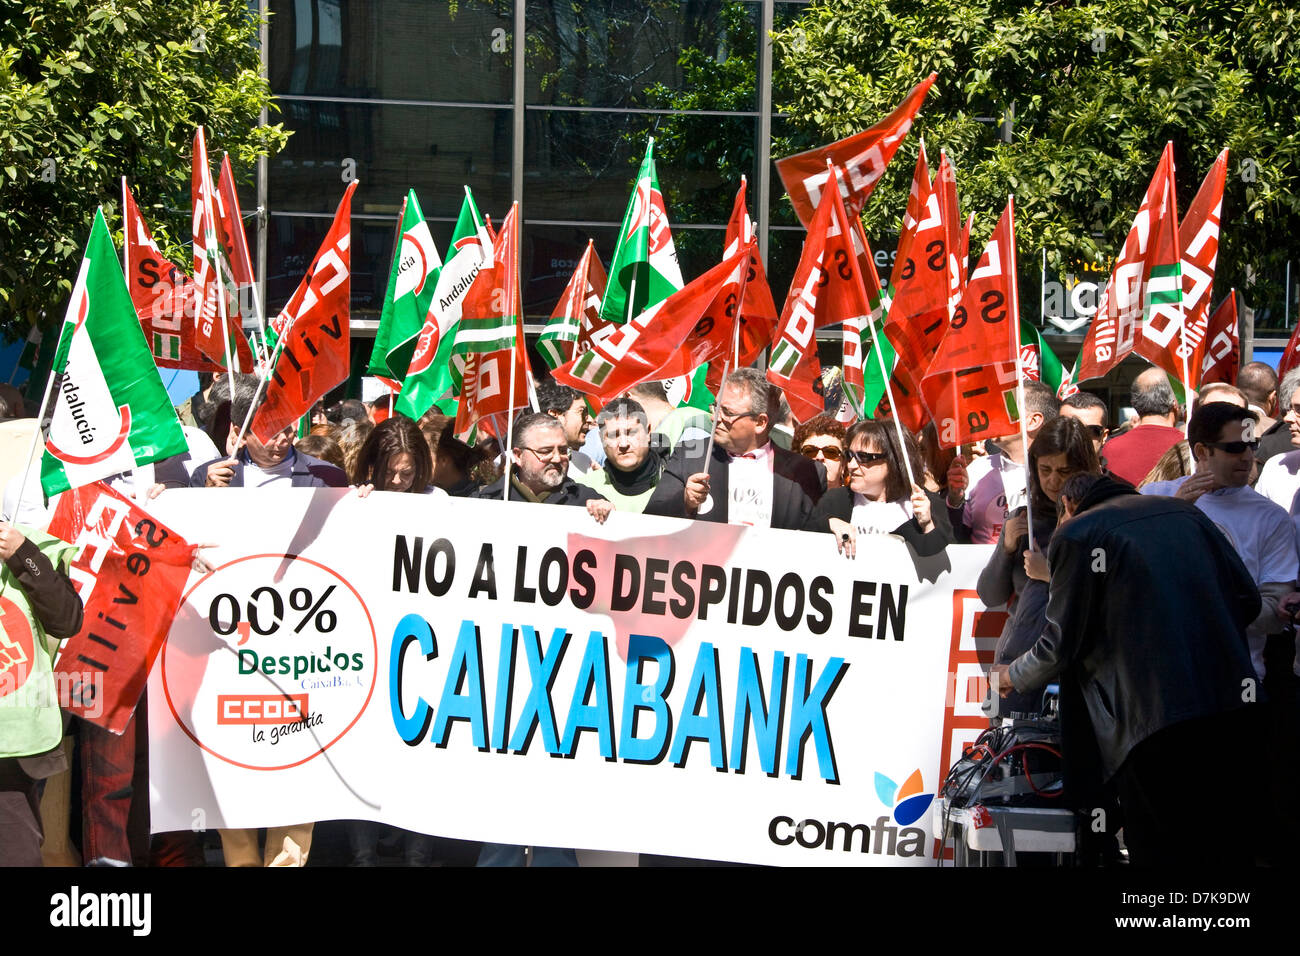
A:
1132, 455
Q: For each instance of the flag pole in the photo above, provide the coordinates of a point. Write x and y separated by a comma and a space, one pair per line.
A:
126, 239
517, 331
31, 451
1020, 377
880, 358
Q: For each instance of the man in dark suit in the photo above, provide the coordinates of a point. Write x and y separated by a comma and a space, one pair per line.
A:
747, 479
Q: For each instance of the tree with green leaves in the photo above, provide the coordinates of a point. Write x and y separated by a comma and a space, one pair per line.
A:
1068, 107
93, 90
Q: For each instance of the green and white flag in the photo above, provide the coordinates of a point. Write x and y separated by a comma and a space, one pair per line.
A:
410, 290
1037, 358
110, 409
645, 270
433, 376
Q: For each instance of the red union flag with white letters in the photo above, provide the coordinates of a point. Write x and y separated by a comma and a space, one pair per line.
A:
491, 335
859, 160
690, 327
1198, 238
1145, 288
970, 387
1218, 358
827, 288
316, 340
163, 296
211, 295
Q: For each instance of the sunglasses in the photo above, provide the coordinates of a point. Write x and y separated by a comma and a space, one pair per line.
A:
1095, 431
830, 452
1233, 447
867, 457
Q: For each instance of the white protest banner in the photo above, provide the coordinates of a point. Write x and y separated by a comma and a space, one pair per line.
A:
515, 673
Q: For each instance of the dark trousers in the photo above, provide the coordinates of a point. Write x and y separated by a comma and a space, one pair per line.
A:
1177, 787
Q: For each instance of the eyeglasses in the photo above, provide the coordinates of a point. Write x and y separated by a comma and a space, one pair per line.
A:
1233, 447
1095, 431
727, 417
545, 454
865, 458
829, 452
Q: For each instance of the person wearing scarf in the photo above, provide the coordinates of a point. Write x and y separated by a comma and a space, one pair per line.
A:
632, 470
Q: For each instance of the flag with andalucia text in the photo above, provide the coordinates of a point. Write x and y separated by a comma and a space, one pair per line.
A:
410, 290
110, 411
435, 371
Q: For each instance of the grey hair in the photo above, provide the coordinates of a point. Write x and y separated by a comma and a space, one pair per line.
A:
1286, 388
763, 398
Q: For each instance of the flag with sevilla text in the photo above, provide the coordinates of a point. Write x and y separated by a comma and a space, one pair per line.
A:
163, 296
130, 573
1145, 289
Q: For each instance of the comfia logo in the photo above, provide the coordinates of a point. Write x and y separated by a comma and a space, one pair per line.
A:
909, 802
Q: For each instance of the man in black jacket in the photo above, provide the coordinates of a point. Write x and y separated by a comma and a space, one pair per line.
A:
747, 479
1147, 633
539, 466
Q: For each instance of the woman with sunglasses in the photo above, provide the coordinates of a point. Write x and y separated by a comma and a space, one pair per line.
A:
1016, 575
877, 497
822, 440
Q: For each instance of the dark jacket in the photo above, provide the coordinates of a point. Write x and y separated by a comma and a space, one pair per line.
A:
308, 472
1003, 581
1146, 619
569, 493
795, 486
838, 503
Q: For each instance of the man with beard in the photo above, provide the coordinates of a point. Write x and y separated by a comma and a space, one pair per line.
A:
539, 466
540, 462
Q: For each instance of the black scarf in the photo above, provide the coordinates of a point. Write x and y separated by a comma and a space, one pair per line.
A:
642, 479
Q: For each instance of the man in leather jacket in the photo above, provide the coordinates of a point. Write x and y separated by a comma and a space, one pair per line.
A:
1147, 633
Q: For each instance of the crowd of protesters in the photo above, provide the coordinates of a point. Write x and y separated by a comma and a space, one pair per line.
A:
1233, 468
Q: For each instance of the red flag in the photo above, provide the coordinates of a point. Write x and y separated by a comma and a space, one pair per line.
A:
827, 288
1218, 358
130, 573
211, 296
316, 337
1198, 238
578, 309
963, 250
491, 334
859, 160
1145, 280
945, 184
230, 232
923, 279
970, 386
163, 296
674, 337
757, 313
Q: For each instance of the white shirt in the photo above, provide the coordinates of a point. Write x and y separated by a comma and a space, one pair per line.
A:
749, 483
1258, 529
879, 517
